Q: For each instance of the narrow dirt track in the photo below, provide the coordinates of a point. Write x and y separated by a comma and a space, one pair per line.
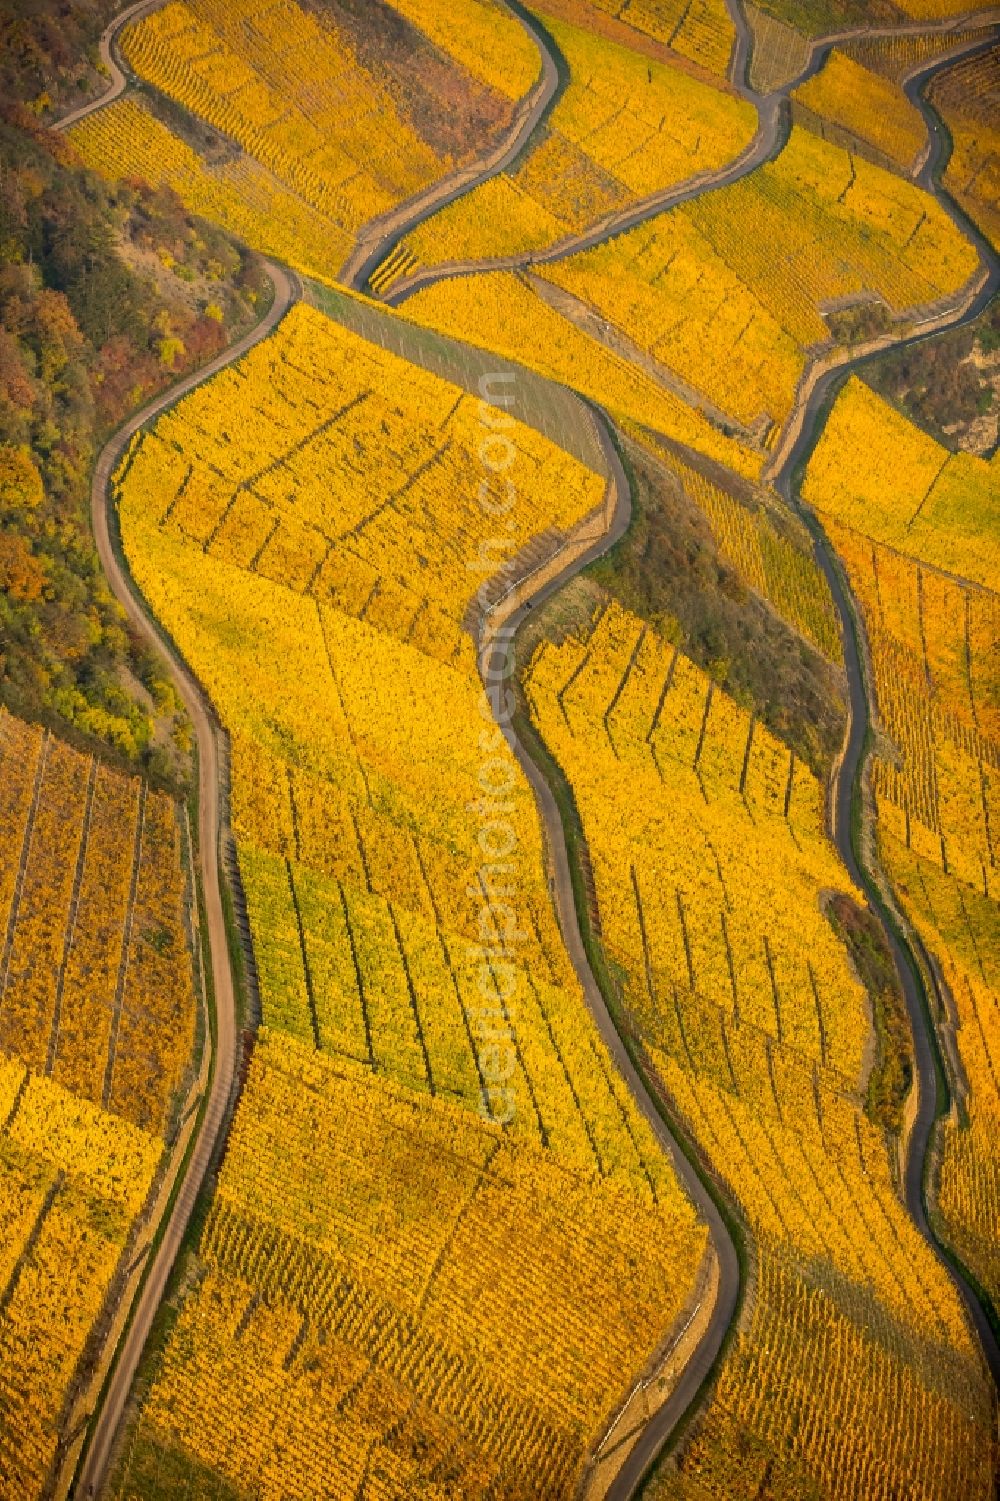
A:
101, 1439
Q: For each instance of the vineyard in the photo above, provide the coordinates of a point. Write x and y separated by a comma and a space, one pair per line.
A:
729, 291
967, 97
308, 144
126, 140
596, 155
290, 90
72, 1177
701, 31
779, 53
784, 574
327, 465
933, 641
481, 36
315, 564
502, 312
868, 108
904, 489
431, 1321
328, 1174
932, 10
95, 983
961, 927
894, 56
96, 1032
761, 1036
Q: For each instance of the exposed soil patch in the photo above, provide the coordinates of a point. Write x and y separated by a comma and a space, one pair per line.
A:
949, 386
669, 571
458, 117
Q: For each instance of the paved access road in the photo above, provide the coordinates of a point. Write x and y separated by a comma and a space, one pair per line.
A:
849, 780
101, 1440
496, 658
106, 48
383, 234
770, 136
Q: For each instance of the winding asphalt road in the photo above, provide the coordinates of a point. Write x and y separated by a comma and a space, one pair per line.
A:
769, 138
381, 236
849, 782
495, 650
496, 653
107, 52
101, 1438
496, 664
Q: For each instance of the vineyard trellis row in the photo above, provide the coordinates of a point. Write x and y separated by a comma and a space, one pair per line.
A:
759, 1032
393, 950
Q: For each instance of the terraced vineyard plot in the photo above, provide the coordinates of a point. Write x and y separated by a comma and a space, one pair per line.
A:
72, 1179
388, 1330
126, 140
782, 573
932, 10
816, 18
480, 35
334, 115
865, 107
95, 975
328, 485
96, 1035
702, 31
501, 312
905, 489
895, 55
664, 721
968, 98
778, 54
961, 927
625, 126
727, 292
933, 642
760, 1033
315, 563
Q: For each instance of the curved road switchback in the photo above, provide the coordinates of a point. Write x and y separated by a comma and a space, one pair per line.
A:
101, 1438
495, 647
766, 142
849, 784
496, 654
108, 54
381, 236
769, 138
